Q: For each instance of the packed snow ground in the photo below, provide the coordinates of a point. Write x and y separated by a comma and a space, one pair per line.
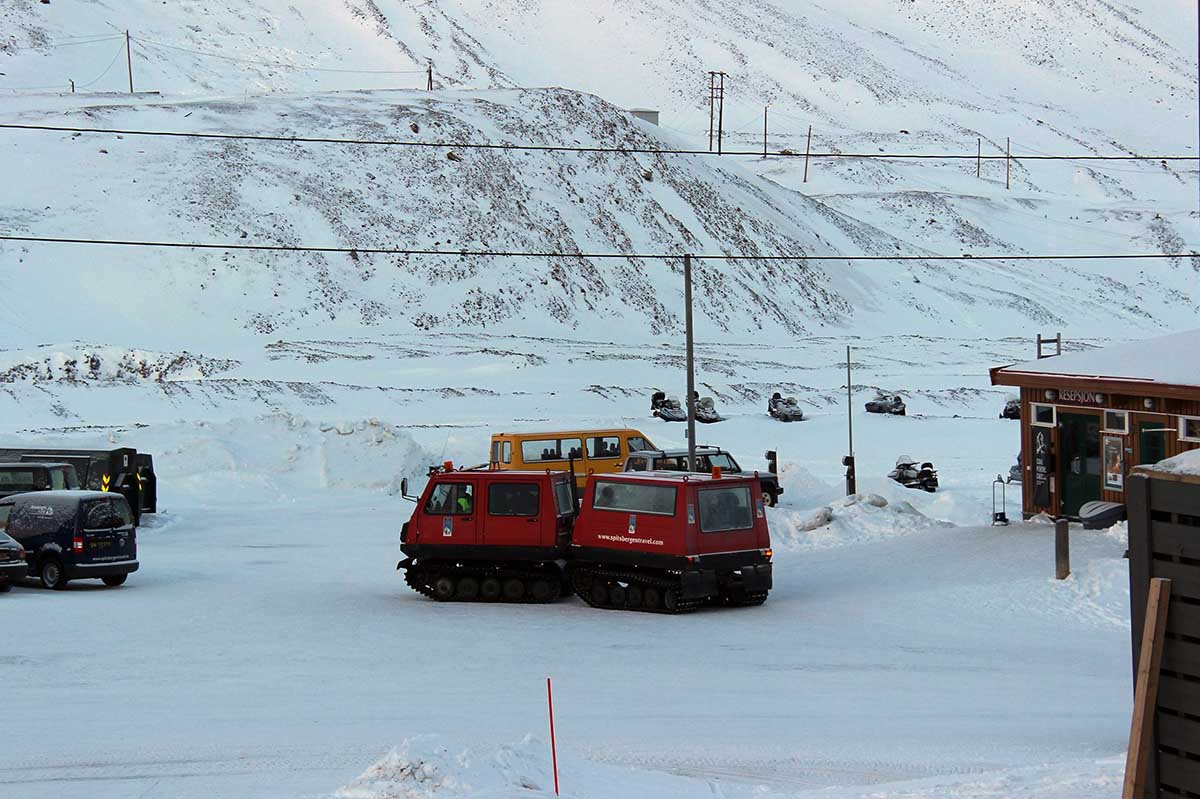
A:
268, 648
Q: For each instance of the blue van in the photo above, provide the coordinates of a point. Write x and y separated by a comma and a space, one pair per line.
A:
73, 535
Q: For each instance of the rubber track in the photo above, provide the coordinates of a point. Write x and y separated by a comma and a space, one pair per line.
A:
582, 577
500, 571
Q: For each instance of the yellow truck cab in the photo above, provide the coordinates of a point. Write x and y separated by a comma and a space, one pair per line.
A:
593, 451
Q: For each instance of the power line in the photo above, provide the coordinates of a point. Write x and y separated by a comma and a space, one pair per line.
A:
82, 40
281, 64
579, 148
593, 255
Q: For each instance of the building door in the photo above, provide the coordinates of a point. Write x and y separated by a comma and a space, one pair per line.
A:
1152, 446
1079, 453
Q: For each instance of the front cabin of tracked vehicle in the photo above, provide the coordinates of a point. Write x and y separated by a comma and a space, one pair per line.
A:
664, 541
488, 535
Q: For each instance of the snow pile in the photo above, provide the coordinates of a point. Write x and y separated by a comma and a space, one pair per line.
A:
856, 519
1184, 463
426, 767
96, 363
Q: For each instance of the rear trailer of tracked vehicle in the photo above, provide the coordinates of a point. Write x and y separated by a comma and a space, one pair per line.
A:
665, 542
490, 536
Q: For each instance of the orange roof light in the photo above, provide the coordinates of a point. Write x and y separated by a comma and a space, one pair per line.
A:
448, 465
716, 473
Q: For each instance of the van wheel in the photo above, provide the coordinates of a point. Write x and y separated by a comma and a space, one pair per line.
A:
769, 498
489, 589
443, 589
52, 574
115, 580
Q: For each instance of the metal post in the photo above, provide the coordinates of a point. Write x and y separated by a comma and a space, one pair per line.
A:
129, 61
691, 366
429, 87
979, 157
712, 97
1062, 550
72, 87
1008, 163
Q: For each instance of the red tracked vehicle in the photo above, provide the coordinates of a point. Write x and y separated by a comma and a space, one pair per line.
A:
666, 542
490, 536
655, 541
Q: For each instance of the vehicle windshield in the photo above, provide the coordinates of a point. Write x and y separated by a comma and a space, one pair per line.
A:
724, 509
723, 462
23, 480
635, 497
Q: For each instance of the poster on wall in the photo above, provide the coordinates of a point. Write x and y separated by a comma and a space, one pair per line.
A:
1114, 463
1043, 467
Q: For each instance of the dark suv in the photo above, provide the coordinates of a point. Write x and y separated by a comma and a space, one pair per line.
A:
21, 478
73, 535
675, 460
12, 562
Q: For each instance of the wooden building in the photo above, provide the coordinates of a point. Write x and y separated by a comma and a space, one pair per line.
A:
1087, 418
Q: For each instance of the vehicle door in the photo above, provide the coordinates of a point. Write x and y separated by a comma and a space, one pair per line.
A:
727, 517
108, 531
604, 454
449, 515
514, 513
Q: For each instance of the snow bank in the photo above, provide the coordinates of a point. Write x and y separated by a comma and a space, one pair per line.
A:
428, 766
854, 519
1184, 463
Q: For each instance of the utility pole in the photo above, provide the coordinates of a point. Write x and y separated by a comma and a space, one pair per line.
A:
430, 86
691, 366
72, 87
129, 61
712, 98
848, 461
765, 107
807, 153
720, 111
1008, 163
979, 157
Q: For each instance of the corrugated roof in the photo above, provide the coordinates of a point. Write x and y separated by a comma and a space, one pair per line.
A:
1169, 360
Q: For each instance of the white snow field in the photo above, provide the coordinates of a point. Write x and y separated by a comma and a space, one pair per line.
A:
268, 648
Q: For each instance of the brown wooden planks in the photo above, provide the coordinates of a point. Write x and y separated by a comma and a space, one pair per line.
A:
1179, 540
1145, 695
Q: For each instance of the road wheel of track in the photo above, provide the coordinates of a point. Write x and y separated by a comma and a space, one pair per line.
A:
52, 574
444, 588
468, 589
671, 599
616, 595
490, 589
651, 598
599, 593
541, 591
633, 596
514, 589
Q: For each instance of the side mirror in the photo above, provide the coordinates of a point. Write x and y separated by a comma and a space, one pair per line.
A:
404, 490
772, 461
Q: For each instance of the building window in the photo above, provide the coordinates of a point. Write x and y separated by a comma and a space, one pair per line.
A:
1116, 422
1044, 415
1189, 428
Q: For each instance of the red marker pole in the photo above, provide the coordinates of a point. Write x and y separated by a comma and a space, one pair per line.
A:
553, 748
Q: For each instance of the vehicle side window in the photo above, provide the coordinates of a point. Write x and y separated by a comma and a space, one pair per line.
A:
451, 499
58, 479
722, 460
636, 465
604, 447
31, 519
638, 444
724, 509
635, 497
551, 449
564, 499
5, 512
13, 480
513, 499
122, 515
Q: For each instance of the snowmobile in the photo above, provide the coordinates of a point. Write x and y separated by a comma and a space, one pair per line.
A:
884, 403
1014, 471
1012, 409
785, 409
706, 413
667, 409
909, 475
